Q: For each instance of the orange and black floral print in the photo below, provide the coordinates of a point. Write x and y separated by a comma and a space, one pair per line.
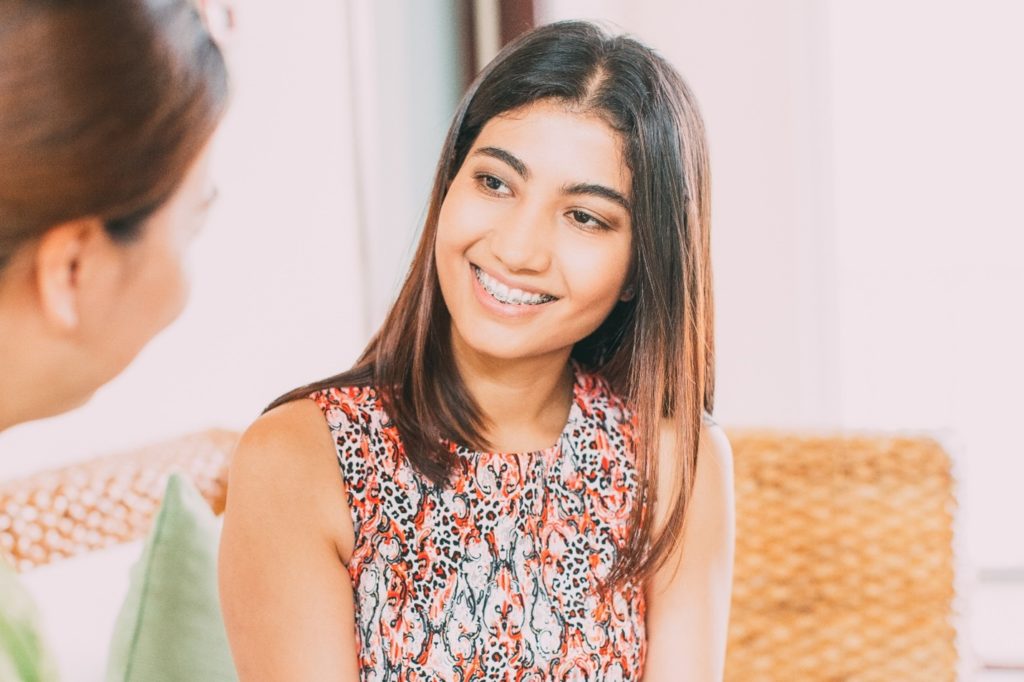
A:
496, 576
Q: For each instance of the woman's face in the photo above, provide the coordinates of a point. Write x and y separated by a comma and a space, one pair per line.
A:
145, 284
149, 286
534, 237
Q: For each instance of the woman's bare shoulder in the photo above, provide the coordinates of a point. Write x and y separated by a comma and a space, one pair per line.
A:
285, 464
715, 449
290, 439
714, 474
287, 536
291, 427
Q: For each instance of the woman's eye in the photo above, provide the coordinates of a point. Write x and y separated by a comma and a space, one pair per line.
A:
492, 183
586, 220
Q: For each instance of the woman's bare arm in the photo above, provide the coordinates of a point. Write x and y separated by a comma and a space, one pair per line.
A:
688, 598
285, 591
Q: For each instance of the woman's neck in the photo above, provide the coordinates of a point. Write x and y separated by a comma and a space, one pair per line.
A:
37, 375
17, 396
525, 402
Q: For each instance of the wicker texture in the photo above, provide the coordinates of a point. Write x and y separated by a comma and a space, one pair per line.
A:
844, 565
105, 501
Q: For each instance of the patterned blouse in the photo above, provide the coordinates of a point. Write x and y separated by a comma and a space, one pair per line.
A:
495, 576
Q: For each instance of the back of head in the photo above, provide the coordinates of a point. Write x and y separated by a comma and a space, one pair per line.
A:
104, 104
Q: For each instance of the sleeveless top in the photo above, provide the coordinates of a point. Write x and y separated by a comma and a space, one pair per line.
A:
495, 576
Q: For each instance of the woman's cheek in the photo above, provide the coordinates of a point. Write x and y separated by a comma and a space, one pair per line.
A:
597, 274
463, 220
180, 261
171, 289
184, 291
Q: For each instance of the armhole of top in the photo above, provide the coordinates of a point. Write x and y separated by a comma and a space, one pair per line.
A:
344, 454
322, 399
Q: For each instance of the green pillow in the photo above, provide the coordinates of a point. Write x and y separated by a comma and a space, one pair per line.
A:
170, 627
23, 656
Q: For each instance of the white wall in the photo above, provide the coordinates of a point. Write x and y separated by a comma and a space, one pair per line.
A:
278, 288
407, 82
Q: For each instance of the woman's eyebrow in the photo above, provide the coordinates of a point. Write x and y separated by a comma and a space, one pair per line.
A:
598, 191
508, 157
578, 188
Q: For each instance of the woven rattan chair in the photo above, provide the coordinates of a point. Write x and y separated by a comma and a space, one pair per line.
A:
844, 567
844, 560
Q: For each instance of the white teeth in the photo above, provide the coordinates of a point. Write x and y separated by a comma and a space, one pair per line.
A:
506, 295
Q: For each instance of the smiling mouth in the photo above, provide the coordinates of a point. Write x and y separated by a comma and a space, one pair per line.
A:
506, 295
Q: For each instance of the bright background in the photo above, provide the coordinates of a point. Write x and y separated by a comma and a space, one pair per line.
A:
868, 165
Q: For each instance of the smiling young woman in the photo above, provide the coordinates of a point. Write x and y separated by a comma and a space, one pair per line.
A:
523, 439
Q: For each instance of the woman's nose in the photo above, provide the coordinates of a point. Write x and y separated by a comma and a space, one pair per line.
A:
523, 241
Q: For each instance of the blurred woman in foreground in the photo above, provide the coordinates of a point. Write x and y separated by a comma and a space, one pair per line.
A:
106, 111
107, 108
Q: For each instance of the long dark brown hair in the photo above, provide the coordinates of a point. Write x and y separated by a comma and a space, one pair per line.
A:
656, 350
104, 106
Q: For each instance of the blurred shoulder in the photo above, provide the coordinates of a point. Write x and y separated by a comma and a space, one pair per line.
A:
712, 494
714, 447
